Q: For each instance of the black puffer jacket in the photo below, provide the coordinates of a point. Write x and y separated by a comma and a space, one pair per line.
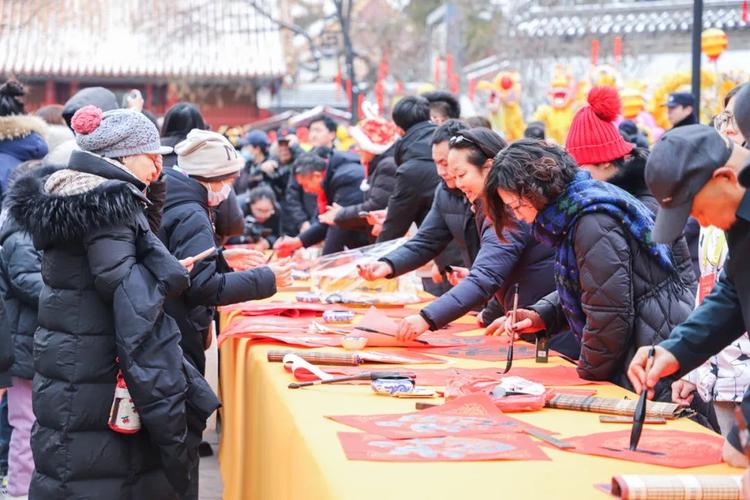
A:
227, 216
106, 277
627, 298
416, 181
450, 219
497, 267
20, 286
6, 349
186, 231
381, 179
344, 176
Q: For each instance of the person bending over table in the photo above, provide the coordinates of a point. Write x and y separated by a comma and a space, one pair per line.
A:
450, 219
615, 288
498, 265
336, 182
693, 171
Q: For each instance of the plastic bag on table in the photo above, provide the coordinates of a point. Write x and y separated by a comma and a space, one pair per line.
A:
336, 279
461, 386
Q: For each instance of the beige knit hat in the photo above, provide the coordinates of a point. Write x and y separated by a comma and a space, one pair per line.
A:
208, 155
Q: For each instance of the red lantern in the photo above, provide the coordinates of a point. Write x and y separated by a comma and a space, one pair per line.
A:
338, 84
594, 52
713, 43
618, 49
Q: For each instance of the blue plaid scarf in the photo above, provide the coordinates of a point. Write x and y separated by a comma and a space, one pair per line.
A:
555, 227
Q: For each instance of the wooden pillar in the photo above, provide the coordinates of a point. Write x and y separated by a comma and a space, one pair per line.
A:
49, 92
73, 87
149, 96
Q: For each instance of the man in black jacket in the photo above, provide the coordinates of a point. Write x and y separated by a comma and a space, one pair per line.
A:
694, 170
450, 219
416, 177
335, 181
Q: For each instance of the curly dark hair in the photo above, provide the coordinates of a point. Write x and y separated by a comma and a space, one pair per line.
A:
535, 170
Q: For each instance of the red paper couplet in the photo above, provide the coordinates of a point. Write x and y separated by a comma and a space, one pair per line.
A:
679, 449
293, 331
371, 447
466, 416
291, 309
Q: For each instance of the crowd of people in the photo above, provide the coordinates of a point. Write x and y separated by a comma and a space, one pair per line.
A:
111, 270
113, 259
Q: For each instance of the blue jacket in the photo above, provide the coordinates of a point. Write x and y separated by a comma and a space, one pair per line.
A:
497, 267
20, 140
344, 176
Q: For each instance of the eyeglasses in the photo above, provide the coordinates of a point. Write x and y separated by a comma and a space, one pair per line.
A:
724, 119
516, 205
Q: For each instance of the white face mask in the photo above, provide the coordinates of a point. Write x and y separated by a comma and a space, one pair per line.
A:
216, 197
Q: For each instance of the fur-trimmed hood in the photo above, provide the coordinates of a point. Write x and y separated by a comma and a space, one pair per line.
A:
18, 126
51, 218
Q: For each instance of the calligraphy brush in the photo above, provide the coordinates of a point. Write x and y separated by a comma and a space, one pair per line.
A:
513, 313
361, 376
639, 416
372, 330
270, 257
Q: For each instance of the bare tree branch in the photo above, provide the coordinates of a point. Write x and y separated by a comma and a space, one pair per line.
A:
314, 51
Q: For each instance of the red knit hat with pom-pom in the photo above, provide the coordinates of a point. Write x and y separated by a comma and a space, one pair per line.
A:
592, 137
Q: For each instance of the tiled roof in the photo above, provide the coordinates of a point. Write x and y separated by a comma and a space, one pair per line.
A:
190, 39
626, 18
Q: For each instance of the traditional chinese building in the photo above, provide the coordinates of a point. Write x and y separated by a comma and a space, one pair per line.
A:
216, 54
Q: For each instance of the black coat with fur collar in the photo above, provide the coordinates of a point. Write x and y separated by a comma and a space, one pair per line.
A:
106, 277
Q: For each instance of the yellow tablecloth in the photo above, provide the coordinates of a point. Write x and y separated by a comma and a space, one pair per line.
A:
276, 444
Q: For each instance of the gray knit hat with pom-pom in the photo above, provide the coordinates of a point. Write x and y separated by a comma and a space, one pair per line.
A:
116, 133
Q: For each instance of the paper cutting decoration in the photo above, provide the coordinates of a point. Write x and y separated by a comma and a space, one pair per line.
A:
375, 321
292, 331
466, 416
510, 446
677, 449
